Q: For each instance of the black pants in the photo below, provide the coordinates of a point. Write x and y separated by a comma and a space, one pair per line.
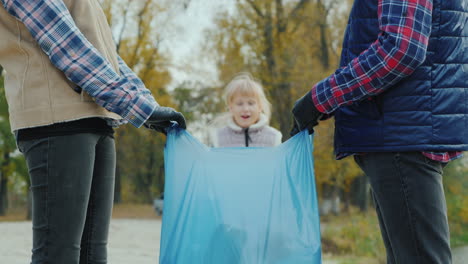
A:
410, 204
72, 182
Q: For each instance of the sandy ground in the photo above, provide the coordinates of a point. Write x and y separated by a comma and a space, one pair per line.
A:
131, 241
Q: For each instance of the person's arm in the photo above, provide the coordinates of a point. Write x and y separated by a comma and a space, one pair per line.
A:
52, 26
131, 76
405, 26
400, 47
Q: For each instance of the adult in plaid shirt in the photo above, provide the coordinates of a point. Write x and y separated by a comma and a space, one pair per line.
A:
66, 88
400, 107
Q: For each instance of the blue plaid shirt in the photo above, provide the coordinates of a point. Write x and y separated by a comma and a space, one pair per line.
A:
54, 29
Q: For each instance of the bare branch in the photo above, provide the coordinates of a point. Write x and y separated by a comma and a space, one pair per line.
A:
141, 17
124, 25
332, 3
256, 8
149, 64
293, 15
280, 25
297, 9
327, 9
186, 4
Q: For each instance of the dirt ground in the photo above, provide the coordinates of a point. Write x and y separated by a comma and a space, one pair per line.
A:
130, 241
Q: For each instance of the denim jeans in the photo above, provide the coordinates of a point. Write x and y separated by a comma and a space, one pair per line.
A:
72, 183
410, 203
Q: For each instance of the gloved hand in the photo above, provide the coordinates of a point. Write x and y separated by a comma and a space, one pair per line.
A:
305, 114
161, 119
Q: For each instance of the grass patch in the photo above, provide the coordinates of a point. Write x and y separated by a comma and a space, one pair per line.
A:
14, 215
353, 260
458, 234
456, 189
355, 237
134, 211
131, 211
457, 201
353, 234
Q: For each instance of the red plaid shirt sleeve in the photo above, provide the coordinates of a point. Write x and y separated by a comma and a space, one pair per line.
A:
405, 26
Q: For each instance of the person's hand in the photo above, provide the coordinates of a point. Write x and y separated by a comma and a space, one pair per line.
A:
305, 115
161, 119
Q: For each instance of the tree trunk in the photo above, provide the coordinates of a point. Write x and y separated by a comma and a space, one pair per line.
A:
346, 201
151, 175
325, 57
4, 184
269, 44
331, 202
1, 70
336, 200
282, 93
3, 194
161, 178
324, 45
360, 193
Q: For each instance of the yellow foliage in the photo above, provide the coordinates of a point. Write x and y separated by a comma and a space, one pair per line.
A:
140, 151
288, 47
357, 234
280, 44
138, 42
464, 211
327, 169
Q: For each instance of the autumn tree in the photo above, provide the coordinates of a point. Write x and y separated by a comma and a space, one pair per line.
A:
456, 191
137, 26
289, 46
10, 164
201, 104
7, 146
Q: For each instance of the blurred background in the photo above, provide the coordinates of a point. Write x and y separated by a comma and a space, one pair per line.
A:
186, 51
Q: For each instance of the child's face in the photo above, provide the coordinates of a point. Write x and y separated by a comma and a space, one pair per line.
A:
245, 110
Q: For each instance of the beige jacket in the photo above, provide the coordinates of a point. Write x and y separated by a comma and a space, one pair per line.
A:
37, 93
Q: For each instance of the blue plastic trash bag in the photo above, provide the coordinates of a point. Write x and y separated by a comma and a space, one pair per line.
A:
239, 205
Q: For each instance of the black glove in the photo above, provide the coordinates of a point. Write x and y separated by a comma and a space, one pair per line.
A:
161, 119
305, 114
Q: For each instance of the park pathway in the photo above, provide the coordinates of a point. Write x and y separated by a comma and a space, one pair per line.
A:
131, 241
460, 255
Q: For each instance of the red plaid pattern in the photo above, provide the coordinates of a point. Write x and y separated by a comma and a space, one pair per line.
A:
399, 49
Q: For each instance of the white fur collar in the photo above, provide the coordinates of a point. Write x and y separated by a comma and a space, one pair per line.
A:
262, 122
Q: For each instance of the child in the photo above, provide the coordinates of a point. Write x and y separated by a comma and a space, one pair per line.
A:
246, 122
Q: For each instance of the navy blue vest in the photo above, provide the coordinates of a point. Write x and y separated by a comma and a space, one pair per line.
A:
427, 111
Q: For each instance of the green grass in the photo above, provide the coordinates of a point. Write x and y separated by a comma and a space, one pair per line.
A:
354, 238
355, 234
458, 234
354, 260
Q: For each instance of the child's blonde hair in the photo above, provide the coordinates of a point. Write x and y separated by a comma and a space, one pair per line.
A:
244, 84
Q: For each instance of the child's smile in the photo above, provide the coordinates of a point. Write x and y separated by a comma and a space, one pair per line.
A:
245, 110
